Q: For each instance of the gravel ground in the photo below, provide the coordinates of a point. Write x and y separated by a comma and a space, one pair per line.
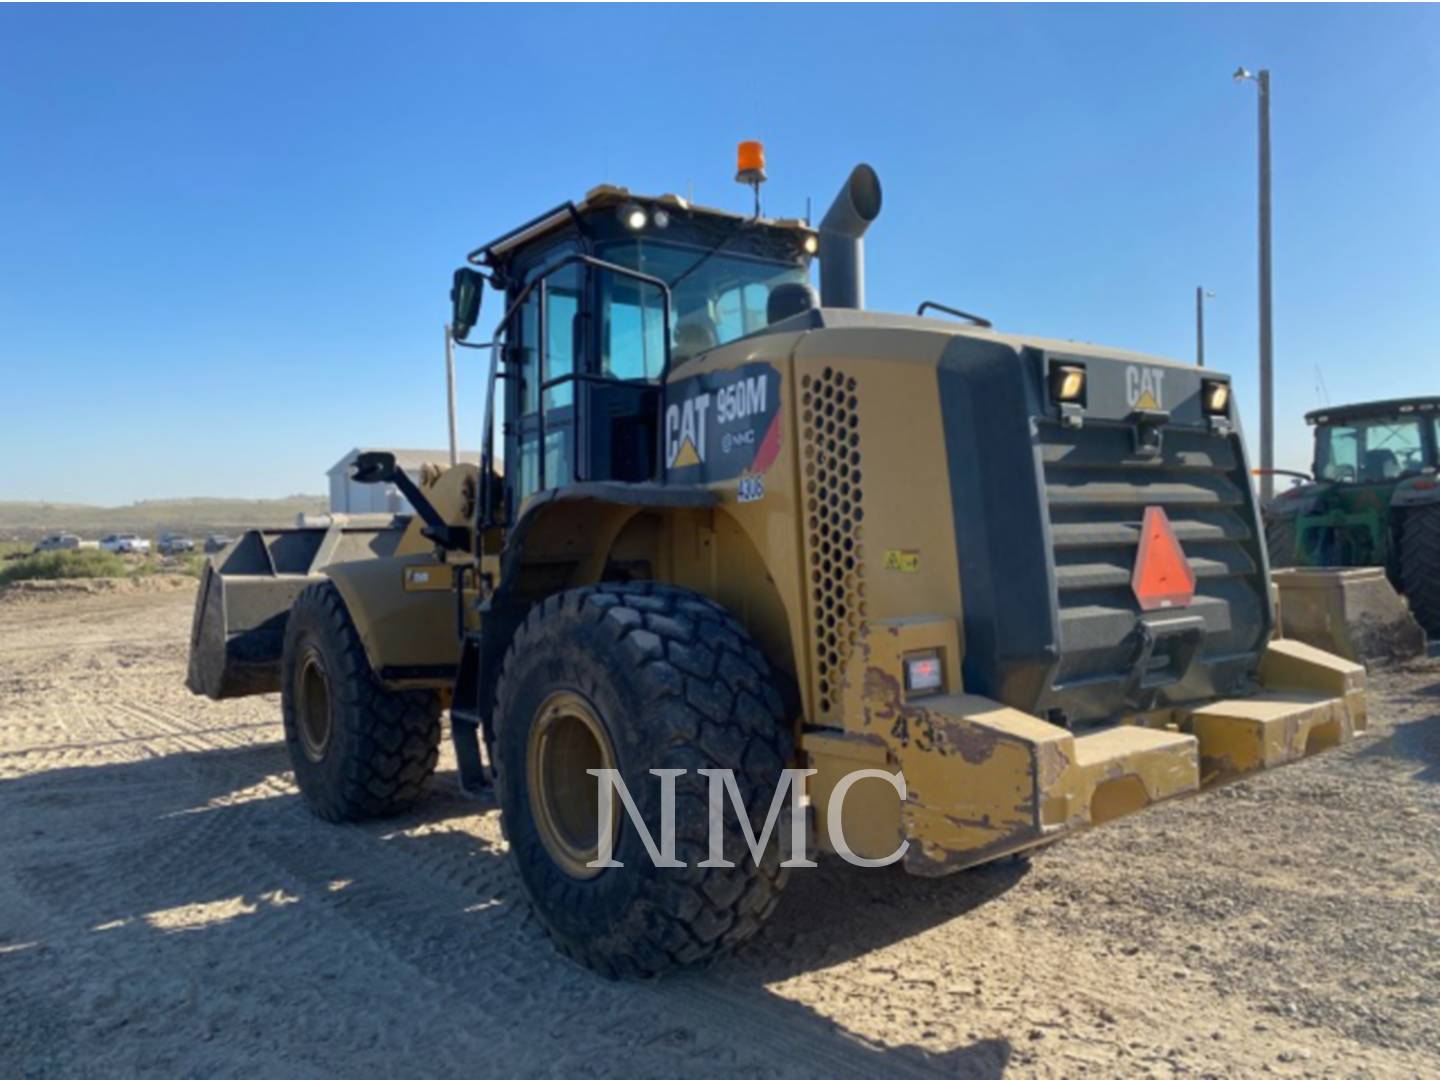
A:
167, 903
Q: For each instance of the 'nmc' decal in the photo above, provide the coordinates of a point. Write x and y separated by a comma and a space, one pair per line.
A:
722, 424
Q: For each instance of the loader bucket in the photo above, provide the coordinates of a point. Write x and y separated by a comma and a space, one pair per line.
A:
238, 631
1354, 613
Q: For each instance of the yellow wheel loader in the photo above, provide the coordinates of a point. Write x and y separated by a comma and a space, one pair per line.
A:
982, 590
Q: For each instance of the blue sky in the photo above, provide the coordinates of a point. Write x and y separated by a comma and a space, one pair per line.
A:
226, 234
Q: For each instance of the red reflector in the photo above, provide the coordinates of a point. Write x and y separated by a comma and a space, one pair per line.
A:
1162, 577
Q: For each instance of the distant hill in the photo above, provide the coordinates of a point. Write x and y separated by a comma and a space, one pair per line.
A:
31, 520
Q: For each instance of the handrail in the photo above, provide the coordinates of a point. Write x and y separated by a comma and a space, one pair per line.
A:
978, 320
487, 453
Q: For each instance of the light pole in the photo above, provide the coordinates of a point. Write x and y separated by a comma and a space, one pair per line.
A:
1200, 294
450, 392
1267, 340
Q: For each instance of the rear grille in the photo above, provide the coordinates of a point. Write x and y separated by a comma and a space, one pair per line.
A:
1096, 491
830, 448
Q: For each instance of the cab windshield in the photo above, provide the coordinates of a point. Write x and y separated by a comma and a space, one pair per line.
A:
1369, 451
717, 297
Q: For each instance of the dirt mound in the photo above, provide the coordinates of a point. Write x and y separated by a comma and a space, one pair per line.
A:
21, 591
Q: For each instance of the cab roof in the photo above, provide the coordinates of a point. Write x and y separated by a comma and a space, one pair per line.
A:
1370, 409
609, 197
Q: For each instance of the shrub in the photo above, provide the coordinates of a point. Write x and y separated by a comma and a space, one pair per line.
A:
53, 565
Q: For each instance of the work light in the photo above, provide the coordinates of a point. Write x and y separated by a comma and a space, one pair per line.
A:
1067, 383
1215, 396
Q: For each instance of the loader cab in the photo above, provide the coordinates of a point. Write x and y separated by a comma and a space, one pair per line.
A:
602, 301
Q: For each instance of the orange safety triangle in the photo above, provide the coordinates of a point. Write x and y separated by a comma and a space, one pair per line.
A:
1162, 577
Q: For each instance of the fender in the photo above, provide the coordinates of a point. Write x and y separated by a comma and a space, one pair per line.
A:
404, 609
570, 536
546, 550
1421, 490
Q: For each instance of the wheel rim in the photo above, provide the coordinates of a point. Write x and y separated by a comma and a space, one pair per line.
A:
566, 739
312, 701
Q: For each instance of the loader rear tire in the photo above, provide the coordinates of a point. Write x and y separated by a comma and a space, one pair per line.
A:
359, 750
634, 677
1420, 566
1280, 542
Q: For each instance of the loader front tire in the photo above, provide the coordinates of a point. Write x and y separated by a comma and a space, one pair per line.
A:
1420, 566
635, 677
358, 749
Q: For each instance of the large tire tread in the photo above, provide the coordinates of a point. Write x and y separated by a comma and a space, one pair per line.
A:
717, 707
1420, 565
390, 742
1280, 542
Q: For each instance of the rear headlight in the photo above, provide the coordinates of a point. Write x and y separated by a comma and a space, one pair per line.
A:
1215, 397
1067, 384
923, 673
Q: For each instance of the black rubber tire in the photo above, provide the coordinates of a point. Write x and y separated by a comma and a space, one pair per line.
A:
383, 744
1280, 542
675, 682
1420, 565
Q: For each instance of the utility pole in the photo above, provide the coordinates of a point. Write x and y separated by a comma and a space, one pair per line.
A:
450, 392
1200, 294
1267, 339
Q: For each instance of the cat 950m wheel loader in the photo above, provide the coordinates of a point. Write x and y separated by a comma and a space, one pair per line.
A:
988, 589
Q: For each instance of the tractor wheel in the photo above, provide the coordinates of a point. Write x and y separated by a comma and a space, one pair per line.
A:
635, 677
359, 750
1420, 565
1280, 542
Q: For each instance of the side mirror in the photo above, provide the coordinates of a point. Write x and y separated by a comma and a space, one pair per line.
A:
373, 467
465, 294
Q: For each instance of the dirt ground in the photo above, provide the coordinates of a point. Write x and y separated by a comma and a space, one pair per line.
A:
166, 902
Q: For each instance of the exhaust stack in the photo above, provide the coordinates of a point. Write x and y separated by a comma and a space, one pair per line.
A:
842, 245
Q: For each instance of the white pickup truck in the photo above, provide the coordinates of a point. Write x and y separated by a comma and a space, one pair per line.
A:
125, 544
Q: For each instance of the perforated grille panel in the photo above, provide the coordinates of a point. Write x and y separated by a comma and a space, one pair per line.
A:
830, 444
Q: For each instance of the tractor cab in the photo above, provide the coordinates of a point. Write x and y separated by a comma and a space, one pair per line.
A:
1380, 443
1375, 465
602, 299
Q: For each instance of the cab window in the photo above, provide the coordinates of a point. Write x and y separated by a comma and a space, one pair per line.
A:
562, 331
563, 346
1370, 451
740, 310
716, 297
633, 328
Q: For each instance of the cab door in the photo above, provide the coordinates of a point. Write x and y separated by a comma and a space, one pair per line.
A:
546, 342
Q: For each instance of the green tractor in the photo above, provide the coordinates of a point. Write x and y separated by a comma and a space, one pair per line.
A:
1374, 499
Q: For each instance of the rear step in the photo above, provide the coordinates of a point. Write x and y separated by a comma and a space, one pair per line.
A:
1127, 768
1241, 736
